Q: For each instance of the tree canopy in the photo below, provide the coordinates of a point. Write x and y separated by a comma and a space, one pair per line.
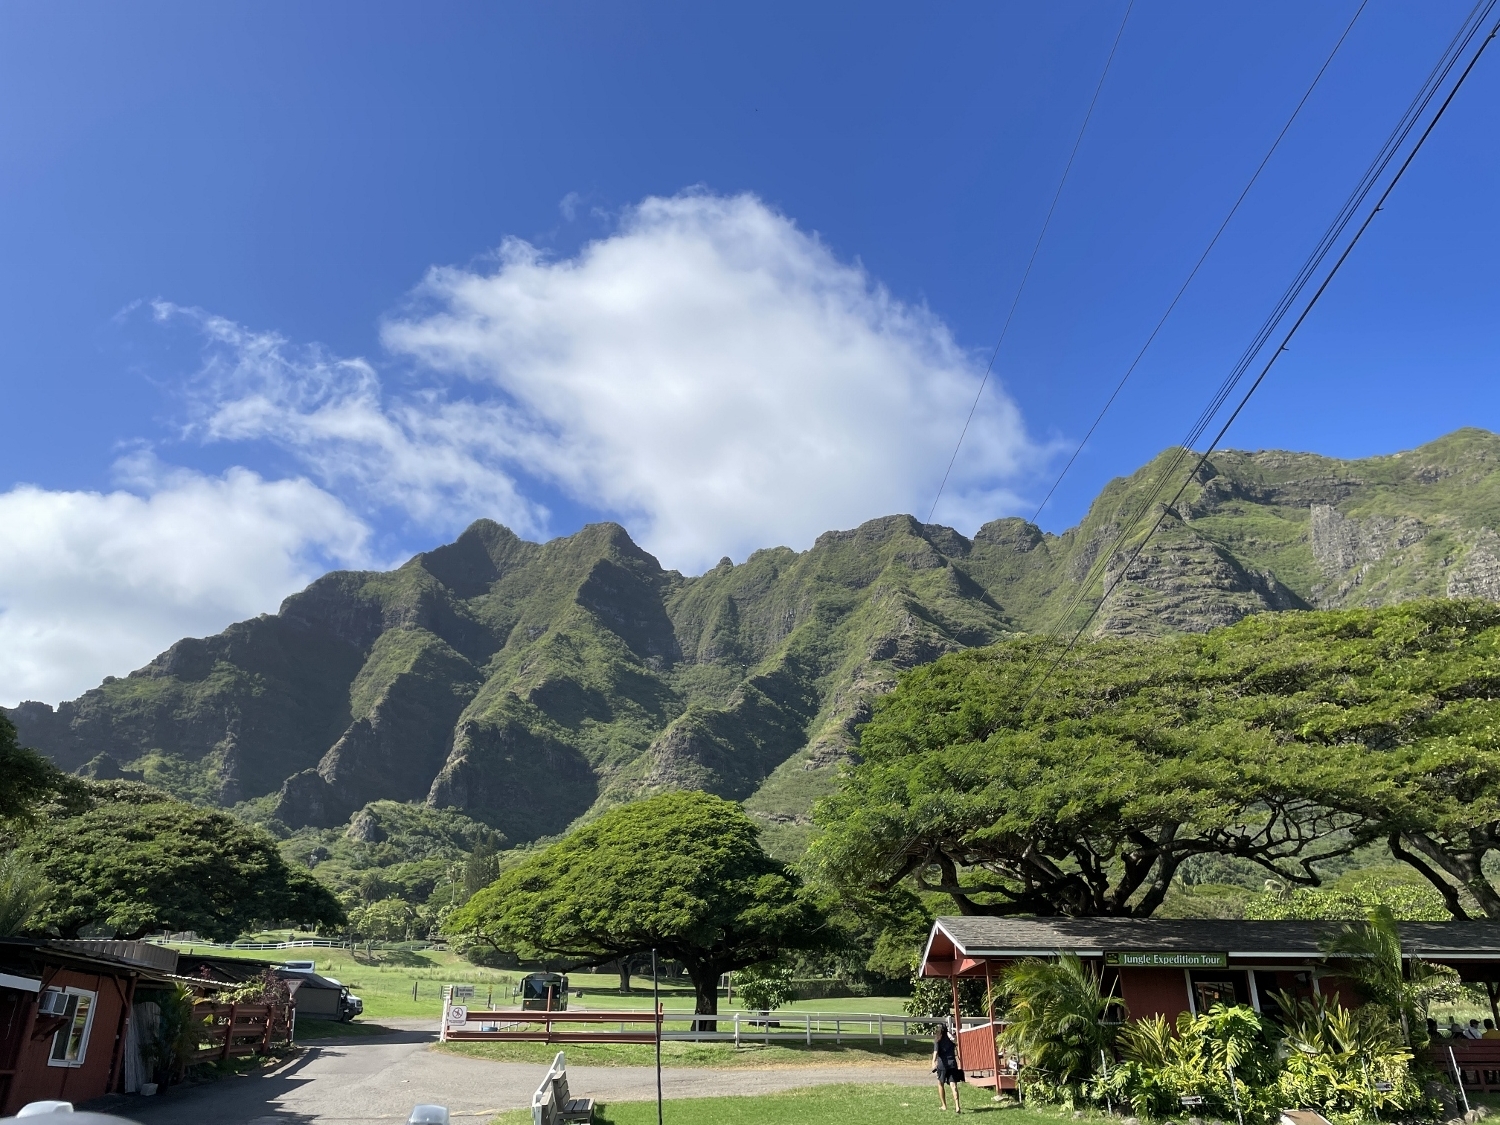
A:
682, 873
1283, 740
27, 779
137, 860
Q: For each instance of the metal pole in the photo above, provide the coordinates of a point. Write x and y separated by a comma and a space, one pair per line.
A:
656, 997
1103, 1062
1459, 1074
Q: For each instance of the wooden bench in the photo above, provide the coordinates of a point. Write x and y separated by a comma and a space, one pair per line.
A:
553, 1104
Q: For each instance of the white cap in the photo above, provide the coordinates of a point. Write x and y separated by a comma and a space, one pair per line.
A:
33, 1109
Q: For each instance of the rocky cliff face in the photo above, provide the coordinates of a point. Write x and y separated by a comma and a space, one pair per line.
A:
526, 684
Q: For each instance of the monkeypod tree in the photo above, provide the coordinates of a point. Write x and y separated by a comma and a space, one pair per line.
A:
681, 873
1021, 778
138, 861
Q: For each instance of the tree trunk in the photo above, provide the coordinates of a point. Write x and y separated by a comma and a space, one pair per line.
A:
706, 987
624, 963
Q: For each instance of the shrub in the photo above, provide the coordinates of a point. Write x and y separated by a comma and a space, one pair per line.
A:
1225, 1056
1337, 1059
765, 986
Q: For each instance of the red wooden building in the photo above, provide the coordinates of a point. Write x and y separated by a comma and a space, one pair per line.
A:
1168, 966
65, 1010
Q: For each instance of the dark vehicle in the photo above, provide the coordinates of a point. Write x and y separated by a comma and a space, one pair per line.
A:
543, 992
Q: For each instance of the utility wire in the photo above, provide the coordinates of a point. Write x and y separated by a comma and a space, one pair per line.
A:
1212, 242
1026, 274
1392, 145
1403, 130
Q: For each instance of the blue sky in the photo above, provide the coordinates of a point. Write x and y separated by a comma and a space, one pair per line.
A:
726, 274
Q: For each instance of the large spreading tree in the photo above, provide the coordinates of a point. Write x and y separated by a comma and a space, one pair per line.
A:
1283, 740
682, 873
27, 780
136, 861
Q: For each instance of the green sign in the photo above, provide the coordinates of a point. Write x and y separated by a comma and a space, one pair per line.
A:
1163, 959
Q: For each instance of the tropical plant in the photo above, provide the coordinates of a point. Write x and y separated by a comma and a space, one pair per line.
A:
22, 893
1344, 1061
177, 1033
765, 986
1057, 1020
267, 988
1222, 1060
1370, 955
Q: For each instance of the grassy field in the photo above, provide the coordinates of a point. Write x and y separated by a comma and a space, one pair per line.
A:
819, 1105
384, 980
676, 1053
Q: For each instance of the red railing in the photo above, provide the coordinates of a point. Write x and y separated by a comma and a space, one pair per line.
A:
977, 1058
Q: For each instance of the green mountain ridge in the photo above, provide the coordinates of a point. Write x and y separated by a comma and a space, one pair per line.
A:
527, 685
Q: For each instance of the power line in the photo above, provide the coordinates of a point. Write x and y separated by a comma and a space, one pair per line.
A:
1460, 43
1382, 159
1026, 274
1399, 133
1212, 242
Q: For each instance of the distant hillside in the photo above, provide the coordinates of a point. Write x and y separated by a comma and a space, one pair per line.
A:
526, 684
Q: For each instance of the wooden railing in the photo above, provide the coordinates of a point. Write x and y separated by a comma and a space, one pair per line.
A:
1477, 1061
227, 1031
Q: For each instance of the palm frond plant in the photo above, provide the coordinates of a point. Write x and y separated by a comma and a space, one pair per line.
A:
1370, 956
1057, 1017
22, 893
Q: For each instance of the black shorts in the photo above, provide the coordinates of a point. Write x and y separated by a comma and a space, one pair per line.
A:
946, 1073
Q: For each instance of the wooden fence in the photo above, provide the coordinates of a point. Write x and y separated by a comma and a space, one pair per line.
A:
228, 1031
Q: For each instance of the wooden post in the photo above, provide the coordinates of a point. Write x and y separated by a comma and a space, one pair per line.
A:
1489, 988
989, 995
958, 1022
228, 1034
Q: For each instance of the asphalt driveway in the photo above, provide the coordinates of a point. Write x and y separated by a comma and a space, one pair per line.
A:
380, 1078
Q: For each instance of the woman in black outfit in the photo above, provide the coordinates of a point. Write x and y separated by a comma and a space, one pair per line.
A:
945, 1066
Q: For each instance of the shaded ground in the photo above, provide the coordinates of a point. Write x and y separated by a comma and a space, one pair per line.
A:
377, 1079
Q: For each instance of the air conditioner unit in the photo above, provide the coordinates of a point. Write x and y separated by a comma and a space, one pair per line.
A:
53, 1002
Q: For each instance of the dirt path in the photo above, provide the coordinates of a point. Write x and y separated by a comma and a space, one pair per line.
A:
379, 1079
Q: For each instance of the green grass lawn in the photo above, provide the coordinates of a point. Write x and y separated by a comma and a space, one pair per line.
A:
678, 1053
384, 979
818, 1105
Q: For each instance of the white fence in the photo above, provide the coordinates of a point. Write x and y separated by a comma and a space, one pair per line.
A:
318, 943
741, 1027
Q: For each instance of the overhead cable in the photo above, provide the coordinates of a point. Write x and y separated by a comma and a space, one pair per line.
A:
1212, 242
1458, 47
1026, 274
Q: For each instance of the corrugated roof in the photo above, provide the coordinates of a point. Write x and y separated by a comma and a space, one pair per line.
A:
987, 936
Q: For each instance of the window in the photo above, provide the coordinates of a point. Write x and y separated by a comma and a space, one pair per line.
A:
72, 1039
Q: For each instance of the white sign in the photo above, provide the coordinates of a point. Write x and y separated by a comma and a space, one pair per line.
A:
458, 1014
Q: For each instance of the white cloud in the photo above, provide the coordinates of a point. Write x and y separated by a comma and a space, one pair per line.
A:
94, 584
709, 373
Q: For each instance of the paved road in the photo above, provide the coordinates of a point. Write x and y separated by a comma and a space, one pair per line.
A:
378, 1079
